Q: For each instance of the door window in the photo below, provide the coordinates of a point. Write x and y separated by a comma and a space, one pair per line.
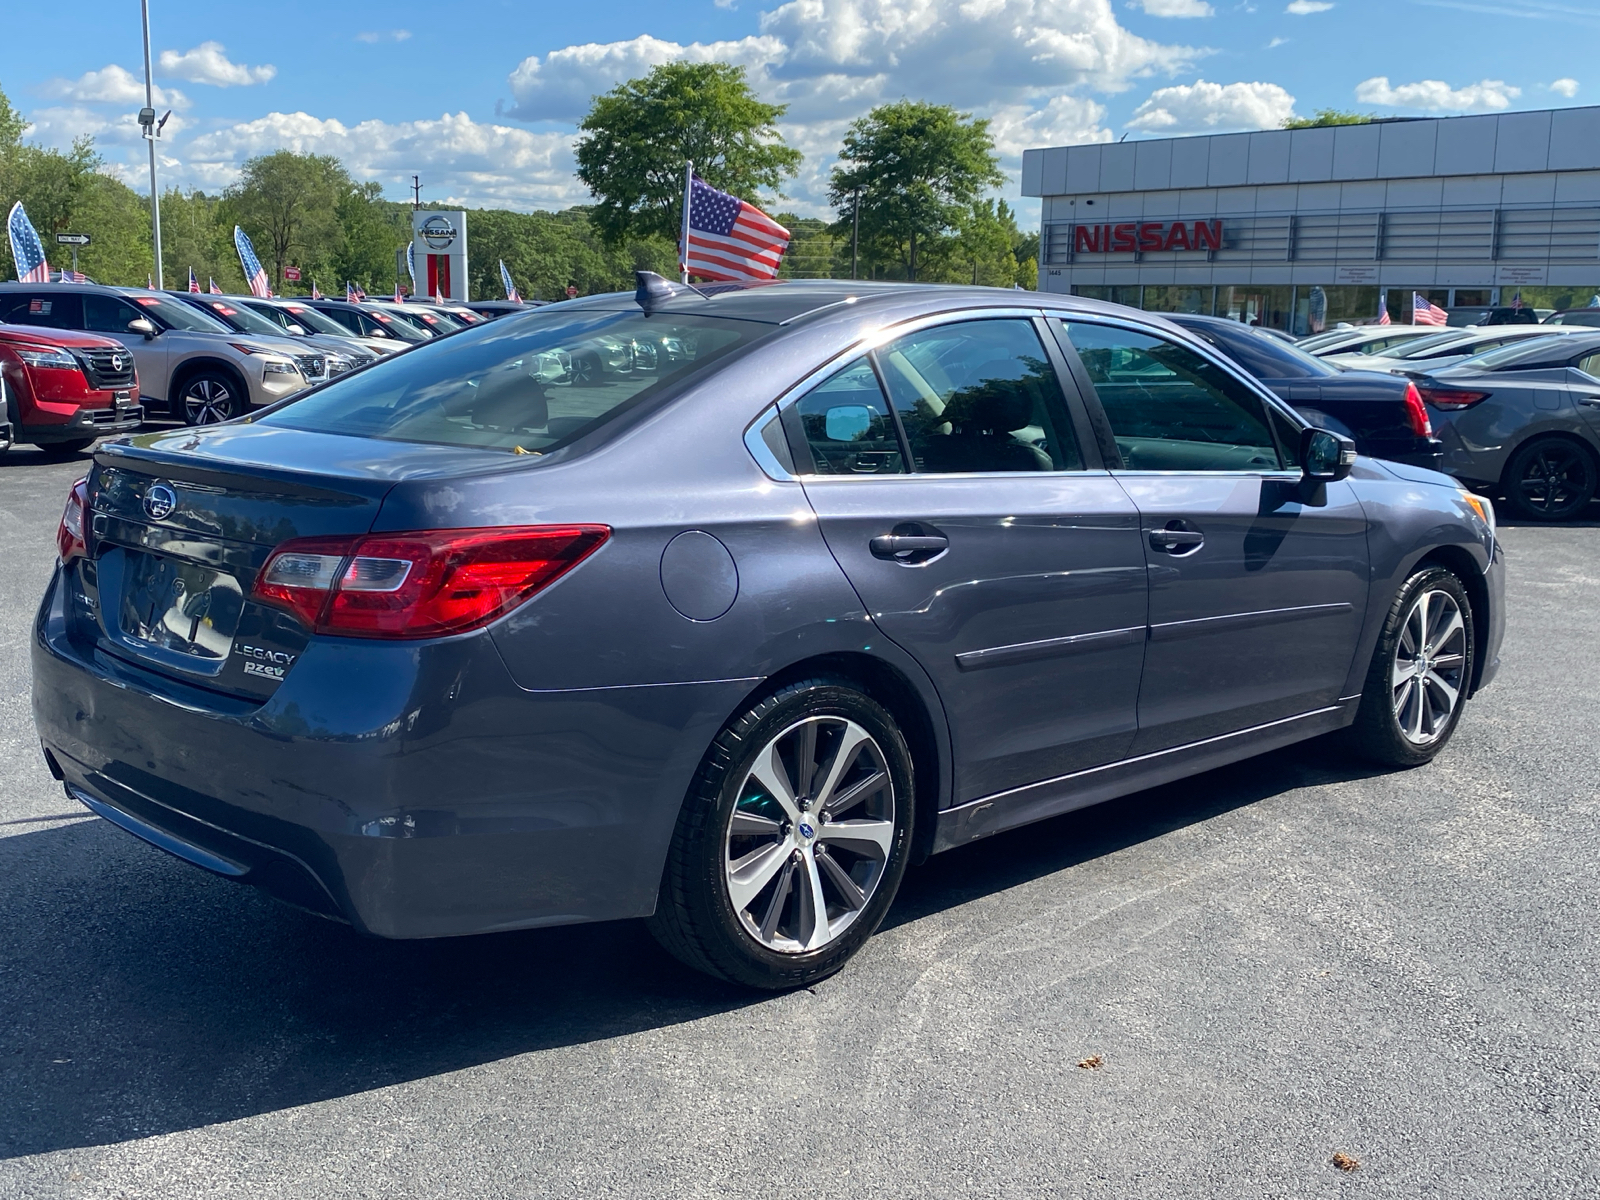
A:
107, 314
979, 396
846, 423
1590, 365
1170, 408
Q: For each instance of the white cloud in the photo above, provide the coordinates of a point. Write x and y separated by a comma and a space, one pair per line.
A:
207, 63
1565, 87
1276, 42
383, 35
1304, 8
1175, 8
1434, 95
1204, 107
111, 85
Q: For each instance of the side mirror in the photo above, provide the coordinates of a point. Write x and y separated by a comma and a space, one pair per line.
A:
297, 330
143, 325
1324, 456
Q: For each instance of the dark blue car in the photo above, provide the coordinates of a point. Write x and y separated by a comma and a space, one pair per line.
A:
814, 580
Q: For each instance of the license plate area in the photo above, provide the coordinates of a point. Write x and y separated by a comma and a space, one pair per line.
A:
182, 614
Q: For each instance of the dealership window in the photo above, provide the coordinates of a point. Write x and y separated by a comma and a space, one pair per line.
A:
1263, 305
1176, 299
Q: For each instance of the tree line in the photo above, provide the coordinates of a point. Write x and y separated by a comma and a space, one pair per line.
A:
913, 178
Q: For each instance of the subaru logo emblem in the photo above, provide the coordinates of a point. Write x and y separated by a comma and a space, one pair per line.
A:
159, 502
806, 830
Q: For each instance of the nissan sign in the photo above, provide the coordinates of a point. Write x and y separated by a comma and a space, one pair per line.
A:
1145, 236
438, 233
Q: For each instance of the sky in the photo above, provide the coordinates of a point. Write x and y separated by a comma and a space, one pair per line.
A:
482, 99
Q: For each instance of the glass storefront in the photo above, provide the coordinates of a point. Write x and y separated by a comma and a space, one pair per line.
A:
1179, 299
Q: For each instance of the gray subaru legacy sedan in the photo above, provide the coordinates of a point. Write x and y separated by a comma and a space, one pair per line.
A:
720, 608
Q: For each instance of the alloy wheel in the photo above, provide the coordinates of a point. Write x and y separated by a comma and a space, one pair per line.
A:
1555, 480
1430, 662
208, 400
811, 834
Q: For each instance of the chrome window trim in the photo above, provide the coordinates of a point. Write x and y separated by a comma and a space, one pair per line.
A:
760, 451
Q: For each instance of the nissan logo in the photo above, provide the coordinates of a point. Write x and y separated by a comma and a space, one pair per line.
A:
438, 233
116, 362
159, 502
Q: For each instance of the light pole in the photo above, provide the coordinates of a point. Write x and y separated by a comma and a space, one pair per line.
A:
855, 232
147, 121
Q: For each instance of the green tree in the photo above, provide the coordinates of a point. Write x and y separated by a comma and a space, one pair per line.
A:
197, 235
920, 168
289, 205
1328, 116
637, 137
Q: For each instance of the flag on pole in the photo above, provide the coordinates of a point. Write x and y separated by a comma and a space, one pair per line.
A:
254, 273
315, 295
353, 294
149, 282
211, 286
399, 294
729, 239
1424, 312
194, 284
411, 264
27, 251
1383, 307
438, 291
1516, 301
511, 289
68, 275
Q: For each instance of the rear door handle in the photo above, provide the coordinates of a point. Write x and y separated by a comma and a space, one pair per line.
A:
1589, 401
1176, 541
908, 548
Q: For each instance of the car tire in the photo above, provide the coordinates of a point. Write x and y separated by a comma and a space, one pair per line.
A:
1551, 479
56, 451
210, 397
1421, 672
587, 370
739, 894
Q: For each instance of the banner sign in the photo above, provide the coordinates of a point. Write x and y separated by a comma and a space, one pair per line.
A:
1146, 236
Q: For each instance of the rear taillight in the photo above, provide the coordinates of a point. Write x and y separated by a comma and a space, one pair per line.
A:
1451, 399
1416, 414
69, 534
417, 585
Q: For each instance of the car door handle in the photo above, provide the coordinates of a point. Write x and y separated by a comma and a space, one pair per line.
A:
1589, 401
1175, 541
908, 548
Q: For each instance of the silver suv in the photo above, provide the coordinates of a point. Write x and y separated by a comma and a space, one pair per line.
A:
190, 365
341, 354
297, 317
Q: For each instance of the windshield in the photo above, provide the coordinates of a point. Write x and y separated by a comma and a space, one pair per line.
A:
175, 314
310, 319
1528, 349
241, 318
524, 385
1424, 346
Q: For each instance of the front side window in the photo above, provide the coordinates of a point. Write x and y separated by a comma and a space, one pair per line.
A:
1170, 408
979, 396
1589, 364
175, 314
847, 426
107, 314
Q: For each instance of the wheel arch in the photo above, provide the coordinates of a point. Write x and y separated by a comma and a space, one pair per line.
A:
191, 367
1459, 563
916, 711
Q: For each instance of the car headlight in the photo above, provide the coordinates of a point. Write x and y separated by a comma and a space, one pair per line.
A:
1484, 508
47, 356
278, 366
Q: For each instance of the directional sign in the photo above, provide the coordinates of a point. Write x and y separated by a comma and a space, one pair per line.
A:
73, 239
292, 274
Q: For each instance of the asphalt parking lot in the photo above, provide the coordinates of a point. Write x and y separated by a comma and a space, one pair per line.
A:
1265, 966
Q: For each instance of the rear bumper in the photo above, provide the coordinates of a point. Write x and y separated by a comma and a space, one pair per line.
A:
412, 790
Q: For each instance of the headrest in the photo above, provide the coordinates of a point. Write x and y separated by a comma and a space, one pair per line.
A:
992, 406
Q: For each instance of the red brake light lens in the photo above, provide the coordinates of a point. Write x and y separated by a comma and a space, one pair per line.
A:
424, 584
1452, 399
1416, 414
69, 535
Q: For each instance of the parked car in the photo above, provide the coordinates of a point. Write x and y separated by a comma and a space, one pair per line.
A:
190, 365
298, 318
424, 317
1524, 420
1364, 339
1440, 350
1574, 316
729, 645
1492, 314
368, 321
337, 355
60, 390
1382, 412
500, 308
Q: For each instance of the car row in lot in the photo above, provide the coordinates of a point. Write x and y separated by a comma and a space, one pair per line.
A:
806, 583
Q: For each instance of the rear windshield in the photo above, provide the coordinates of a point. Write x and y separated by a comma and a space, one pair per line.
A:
525, 384
1557, 346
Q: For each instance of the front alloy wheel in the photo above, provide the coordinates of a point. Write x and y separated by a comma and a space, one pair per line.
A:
209, 399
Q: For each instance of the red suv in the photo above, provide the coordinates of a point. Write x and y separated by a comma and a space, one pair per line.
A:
62, 390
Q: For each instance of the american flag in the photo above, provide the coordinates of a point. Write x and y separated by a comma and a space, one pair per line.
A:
27, 251
68, 275
211, 286
729, 239
353, 294
315, 295
194, 284
511, 289
399, 294
1516, 301
1424, 312
254, 273
1383, 309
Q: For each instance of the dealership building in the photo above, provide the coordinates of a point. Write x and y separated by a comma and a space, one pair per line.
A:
1300, 228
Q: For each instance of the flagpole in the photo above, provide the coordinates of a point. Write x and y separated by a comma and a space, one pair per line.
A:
688, 191
150, 134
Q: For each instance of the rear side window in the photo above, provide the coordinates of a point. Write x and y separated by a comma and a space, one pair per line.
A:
846, 424
1590, 365
525, 385
53, 310
1170, 408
